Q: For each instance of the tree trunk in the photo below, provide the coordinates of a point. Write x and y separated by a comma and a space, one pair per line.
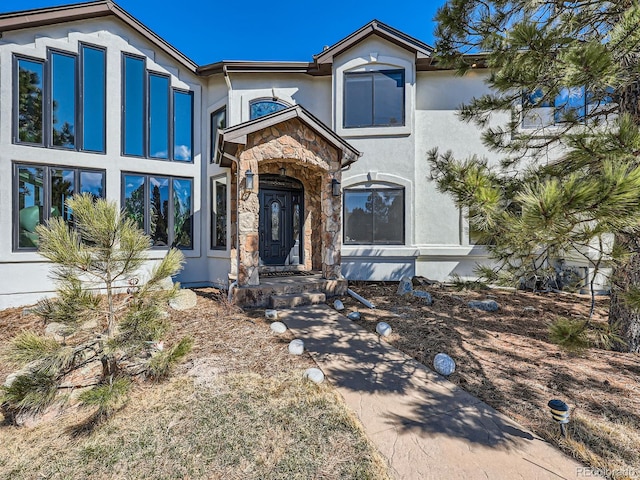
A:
620, 314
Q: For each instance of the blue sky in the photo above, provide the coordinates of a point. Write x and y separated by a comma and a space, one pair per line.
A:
213, 30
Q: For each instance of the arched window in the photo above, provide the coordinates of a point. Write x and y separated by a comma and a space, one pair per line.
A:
261, 107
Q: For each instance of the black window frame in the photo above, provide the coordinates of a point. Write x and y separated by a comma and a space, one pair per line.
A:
213, 233
46, 180
147, 207
47, 99
213, 131
374, 190
371, 73
146, 116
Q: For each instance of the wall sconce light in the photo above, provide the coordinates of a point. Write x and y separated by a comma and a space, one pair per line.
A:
283, 172
249, 180
335, 187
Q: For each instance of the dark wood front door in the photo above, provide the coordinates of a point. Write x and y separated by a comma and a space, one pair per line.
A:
280, 220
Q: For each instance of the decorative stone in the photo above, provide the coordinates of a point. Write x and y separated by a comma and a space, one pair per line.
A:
57, 331
271, 314
444, 364
405, 286
278, 327
426, 295
486, 305
296, 347
383, 329
338, 305
314, 374
166, 283
354, 316
184, 300
529, 308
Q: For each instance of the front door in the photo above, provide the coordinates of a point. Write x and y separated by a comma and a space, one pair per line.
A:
280, 220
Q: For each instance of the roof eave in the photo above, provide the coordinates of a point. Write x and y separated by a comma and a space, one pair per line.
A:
84, 11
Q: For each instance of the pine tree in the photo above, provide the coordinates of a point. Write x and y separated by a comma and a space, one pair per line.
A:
110, 319
569, 184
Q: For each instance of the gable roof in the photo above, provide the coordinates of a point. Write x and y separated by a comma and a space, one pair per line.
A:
374, 27
88, 10
237, 135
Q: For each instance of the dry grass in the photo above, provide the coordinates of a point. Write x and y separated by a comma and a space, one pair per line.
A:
507, 360
238, 408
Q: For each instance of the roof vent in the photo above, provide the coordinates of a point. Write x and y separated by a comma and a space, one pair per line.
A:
326, 47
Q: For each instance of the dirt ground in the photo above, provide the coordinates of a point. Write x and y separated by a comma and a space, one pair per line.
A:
506, 359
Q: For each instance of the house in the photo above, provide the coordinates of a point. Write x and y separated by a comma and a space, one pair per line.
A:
249, 167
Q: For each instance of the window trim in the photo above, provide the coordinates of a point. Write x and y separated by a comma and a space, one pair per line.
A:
214, 141
147, 206
348, 74
16, 100
398, 188
46, 178
172, 123
47, 99
214, 213
81, 83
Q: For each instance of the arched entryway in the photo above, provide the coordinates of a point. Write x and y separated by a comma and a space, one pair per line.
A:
281, 221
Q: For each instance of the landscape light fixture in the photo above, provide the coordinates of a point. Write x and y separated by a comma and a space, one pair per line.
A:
335, 187
249, 180
560, 413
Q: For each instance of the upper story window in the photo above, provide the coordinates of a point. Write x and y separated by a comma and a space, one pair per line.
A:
218, 122
374, 216
261, 107
571, 104
60, 102
374, 99
157, 120
40, 192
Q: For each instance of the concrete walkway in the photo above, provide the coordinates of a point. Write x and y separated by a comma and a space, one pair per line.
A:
427, 427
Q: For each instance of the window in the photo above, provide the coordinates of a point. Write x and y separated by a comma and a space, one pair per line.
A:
157, 120
374, 216
161, 206
571, 104
218, 213
218, 122
260, 108
374, 99
40, 193
50, 104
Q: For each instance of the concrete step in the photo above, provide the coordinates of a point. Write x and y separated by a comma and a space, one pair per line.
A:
296, 299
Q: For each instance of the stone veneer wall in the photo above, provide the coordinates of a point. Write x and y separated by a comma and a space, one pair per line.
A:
313, 161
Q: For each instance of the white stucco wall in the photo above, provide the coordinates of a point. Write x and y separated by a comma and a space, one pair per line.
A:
23, 274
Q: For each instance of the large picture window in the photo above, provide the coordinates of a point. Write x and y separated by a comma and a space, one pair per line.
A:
157, 119
162, 206
374, 99
374, 216
40, 193
60, 102
219, 213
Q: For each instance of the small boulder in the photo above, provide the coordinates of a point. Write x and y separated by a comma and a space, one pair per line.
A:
426, 295
485, 305
444, 364
296, 347
184, 300
383, 329
57, 331
271, 314
405, 286
314, 374
338, 305
354, 316
165, 284
278, 327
